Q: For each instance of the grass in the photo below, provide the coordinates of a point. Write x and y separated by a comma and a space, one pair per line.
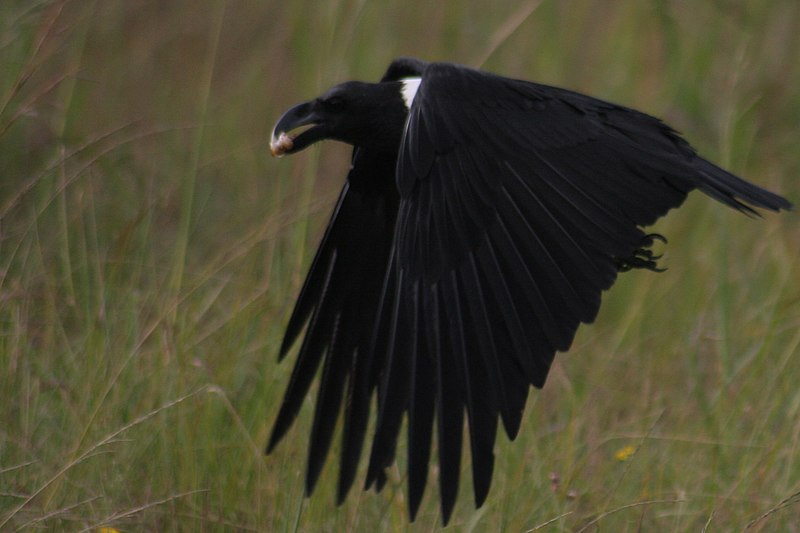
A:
150, 251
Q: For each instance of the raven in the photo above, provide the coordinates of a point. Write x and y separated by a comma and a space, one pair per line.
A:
481, 220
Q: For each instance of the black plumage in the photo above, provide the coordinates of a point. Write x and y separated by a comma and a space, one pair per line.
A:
480, 222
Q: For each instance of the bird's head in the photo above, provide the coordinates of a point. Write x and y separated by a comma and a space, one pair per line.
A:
361, 114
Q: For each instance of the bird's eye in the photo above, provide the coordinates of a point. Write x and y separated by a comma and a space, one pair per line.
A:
334, 103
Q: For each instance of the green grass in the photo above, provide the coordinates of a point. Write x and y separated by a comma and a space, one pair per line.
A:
150, 251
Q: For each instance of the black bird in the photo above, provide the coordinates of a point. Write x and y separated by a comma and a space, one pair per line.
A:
480, 222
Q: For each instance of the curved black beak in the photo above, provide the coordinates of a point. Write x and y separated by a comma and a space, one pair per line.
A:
283, 141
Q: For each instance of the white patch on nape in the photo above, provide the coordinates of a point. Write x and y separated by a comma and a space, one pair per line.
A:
410, 86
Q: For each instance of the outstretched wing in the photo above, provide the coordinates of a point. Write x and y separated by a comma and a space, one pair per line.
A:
518, 204
338, 305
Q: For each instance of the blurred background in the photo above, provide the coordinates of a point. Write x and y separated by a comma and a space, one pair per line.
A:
151, 250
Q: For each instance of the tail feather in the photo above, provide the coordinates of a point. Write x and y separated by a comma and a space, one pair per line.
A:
737, 193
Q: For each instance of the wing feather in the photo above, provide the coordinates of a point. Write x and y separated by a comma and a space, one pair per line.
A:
449, 402
421, 403
480, 399
394, 389
493, 341
305, 368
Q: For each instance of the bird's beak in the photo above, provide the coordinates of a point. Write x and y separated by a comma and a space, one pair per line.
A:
284, 141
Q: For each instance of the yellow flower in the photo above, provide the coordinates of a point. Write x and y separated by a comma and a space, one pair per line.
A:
108, 529
624, 453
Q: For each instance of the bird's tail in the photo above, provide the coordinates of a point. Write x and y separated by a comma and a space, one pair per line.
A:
736, 192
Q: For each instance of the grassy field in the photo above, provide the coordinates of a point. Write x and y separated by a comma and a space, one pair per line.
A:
150, 252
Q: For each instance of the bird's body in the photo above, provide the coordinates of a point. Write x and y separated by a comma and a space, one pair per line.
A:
480, 222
